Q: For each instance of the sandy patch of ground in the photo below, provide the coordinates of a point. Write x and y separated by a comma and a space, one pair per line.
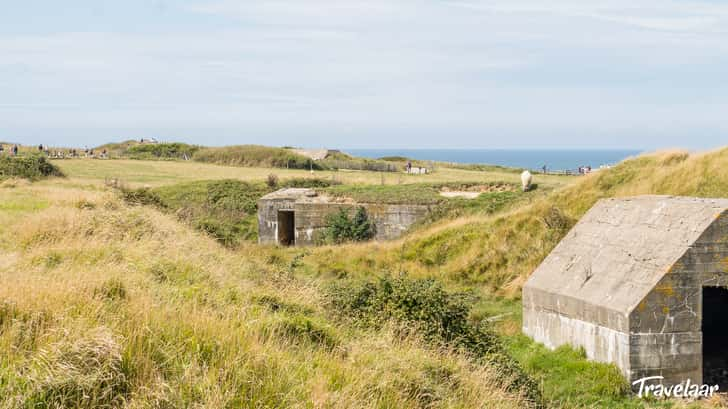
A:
466, 195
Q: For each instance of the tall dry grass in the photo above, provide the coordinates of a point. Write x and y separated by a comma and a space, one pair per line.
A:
106, 305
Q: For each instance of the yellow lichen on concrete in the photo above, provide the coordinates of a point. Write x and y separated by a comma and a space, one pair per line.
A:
665, 290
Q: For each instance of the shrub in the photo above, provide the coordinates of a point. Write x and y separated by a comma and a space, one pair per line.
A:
311, 183
254, 155
394, 159
556, 220
441, 318
234, 195
340, 228
143, 196
31, 167
272, 181
162, 151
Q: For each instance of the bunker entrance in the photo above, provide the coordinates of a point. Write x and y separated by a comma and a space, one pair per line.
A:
715, 336
286, 227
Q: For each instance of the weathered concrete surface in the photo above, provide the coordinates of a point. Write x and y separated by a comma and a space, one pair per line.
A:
311, 212
268, 208
626, 284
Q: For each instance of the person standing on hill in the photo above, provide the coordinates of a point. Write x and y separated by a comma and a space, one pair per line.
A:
15, 150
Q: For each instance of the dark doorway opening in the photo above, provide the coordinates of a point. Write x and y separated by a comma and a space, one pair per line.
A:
715, 336
286, 228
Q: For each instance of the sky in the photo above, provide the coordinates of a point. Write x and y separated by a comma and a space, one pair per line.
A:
533, 74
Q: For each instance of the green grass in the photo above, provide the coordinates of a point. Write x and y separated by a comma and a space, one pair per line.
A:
419, 193
156, 173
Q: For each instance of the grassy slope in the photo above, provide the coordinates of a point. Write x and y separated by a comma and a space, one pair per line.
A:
498, 252
116, 306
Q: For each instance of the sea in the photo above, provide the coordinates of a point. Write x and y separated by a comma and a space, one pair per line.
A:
553, 159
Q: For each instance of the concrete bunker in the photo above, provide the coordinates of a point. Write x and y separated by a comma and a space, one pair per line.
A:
298, 217
640, 282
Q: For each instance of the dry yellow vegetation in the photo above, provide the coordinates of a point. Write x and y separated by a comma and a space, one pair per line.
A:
106, 305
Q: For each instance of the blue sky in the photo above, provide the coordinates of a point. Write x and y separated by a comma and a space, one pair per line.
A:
367, 73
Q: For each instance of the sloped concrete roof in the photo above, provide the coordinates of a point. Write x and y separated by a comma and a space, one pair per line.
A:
290, 193
622, 247
315, 154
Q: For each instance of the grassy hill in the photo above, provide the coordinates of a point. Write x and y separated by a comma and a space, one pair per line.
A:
256, 156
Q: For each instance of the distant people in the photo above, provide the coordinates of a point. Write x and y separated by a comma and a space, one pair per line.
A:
544, 169
408, 168
15, 150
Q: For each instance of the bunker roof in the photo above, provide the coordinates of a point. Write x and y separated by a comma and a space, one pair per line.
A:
291, 193
622, 247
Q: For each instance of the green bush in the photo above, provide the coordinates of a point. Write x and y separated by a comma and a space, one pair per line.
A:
31, 167
311, 183
234, 195
161, 151
142, 196
340, 228
255, 155
441, 318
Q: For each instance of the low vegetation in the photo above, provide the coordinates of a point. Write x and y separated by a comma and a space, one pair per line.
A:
342, 228
133, 149
420, 193
118, 306
32, 167
256, 156
162, 151
423, 307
